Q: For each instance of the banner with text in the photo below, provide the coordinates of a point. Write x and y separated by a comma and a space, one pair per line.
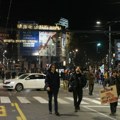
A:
108, 95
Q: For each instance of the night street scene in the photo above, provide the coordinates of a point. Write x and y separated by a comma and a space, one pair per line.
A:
59, 60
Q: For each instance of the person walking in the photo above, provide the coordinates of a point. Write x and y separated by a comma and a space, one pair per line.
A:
91, 81
78, 81
52, 83
113, 80
65, 79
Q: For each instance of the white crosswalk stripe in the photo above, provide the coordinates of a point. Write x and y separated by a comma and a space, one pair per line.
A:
62, 101
70, 98
23, 99
40, 99
92, 100
4, 99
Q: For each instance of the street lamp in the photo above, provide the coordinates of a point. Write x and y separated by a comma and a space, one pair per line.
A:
4, 56
98, 45
5, 60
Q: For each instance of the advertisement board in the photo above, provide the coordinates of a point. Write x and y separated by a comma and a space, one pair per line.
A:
30, 42
47, 43
37, 43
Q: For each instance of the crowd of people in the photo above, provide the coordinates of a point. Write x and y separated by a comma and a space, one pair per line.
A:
79, 79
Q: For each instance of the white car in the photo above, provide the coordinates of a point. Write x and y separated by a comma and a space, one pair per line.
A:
26, 81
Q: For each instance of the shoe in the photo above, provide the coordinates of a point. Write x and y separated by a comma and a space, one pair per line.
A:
90, 93
50, 112
57, 114
76, 110
112, 114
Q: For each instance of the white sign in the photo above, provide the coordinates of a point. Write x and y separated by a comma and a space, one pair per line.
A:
64, 22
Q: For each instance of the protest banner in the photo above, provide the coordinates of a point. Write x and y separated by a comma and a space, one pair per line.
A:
108, 95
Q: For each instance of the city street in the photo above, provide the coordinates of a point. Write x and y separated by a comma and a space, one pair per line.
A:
32, 105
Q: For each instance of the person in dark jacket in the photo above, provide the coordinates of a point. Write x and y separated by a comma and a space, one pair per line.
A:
113, 80
78, 82
91, 81
65, 79
52, 83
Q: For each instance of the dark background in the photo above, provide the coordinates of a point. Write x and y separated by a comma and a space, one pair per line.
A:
81, 14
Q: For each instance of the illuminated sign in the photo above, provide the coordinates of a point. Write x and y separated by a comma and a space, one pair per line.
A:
29, 42
19, 41
63, 22
37, 27
47, 42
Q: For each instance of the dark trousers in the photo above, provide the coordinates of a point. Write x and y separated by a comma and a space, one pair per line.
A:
77, 95
55, 95
113, 107
91, 87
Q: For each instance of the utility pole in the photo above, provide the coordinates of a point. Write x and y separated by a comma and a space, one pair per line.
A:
109, 50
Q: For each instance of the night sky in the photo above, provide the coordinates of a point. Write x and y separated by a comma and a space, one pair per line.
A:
81, 14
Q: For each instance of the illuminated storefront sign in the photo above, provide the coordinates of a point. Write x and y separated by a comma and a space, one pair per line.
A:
37, 27
19, 41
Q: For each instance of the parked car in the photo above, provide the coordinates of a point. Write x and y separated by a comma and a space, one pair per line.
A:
26, 81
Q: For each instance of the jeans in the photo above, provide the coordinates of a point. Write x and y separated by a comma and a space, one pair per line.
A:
55, 95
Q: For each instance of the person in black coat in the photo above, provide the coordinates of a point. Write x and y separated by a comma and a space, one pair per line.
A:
78, 82
52, 83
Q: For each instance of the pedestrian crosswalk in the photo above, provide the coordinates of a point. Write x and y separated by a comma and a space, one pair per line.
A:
42, 100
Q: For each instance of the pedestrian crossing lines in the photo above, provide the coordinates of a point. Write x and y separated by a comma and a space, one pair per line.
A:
42, 100
71, 99
23, 99
92, 100
5, 99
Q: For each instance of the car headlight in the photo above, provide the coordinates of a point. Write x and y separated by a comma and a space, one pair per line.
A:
12, 82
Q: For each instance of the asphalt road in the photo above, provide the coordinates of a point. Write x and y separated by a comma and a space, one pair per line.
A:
33, 105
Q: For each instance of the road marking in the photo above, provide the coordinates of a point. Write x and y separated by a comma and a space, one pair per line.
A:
5, 100
71, 99
40, 99
85, 101
20, 112
19, 118
3, 111
92, 100
23, 100
99, 113
62, 101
